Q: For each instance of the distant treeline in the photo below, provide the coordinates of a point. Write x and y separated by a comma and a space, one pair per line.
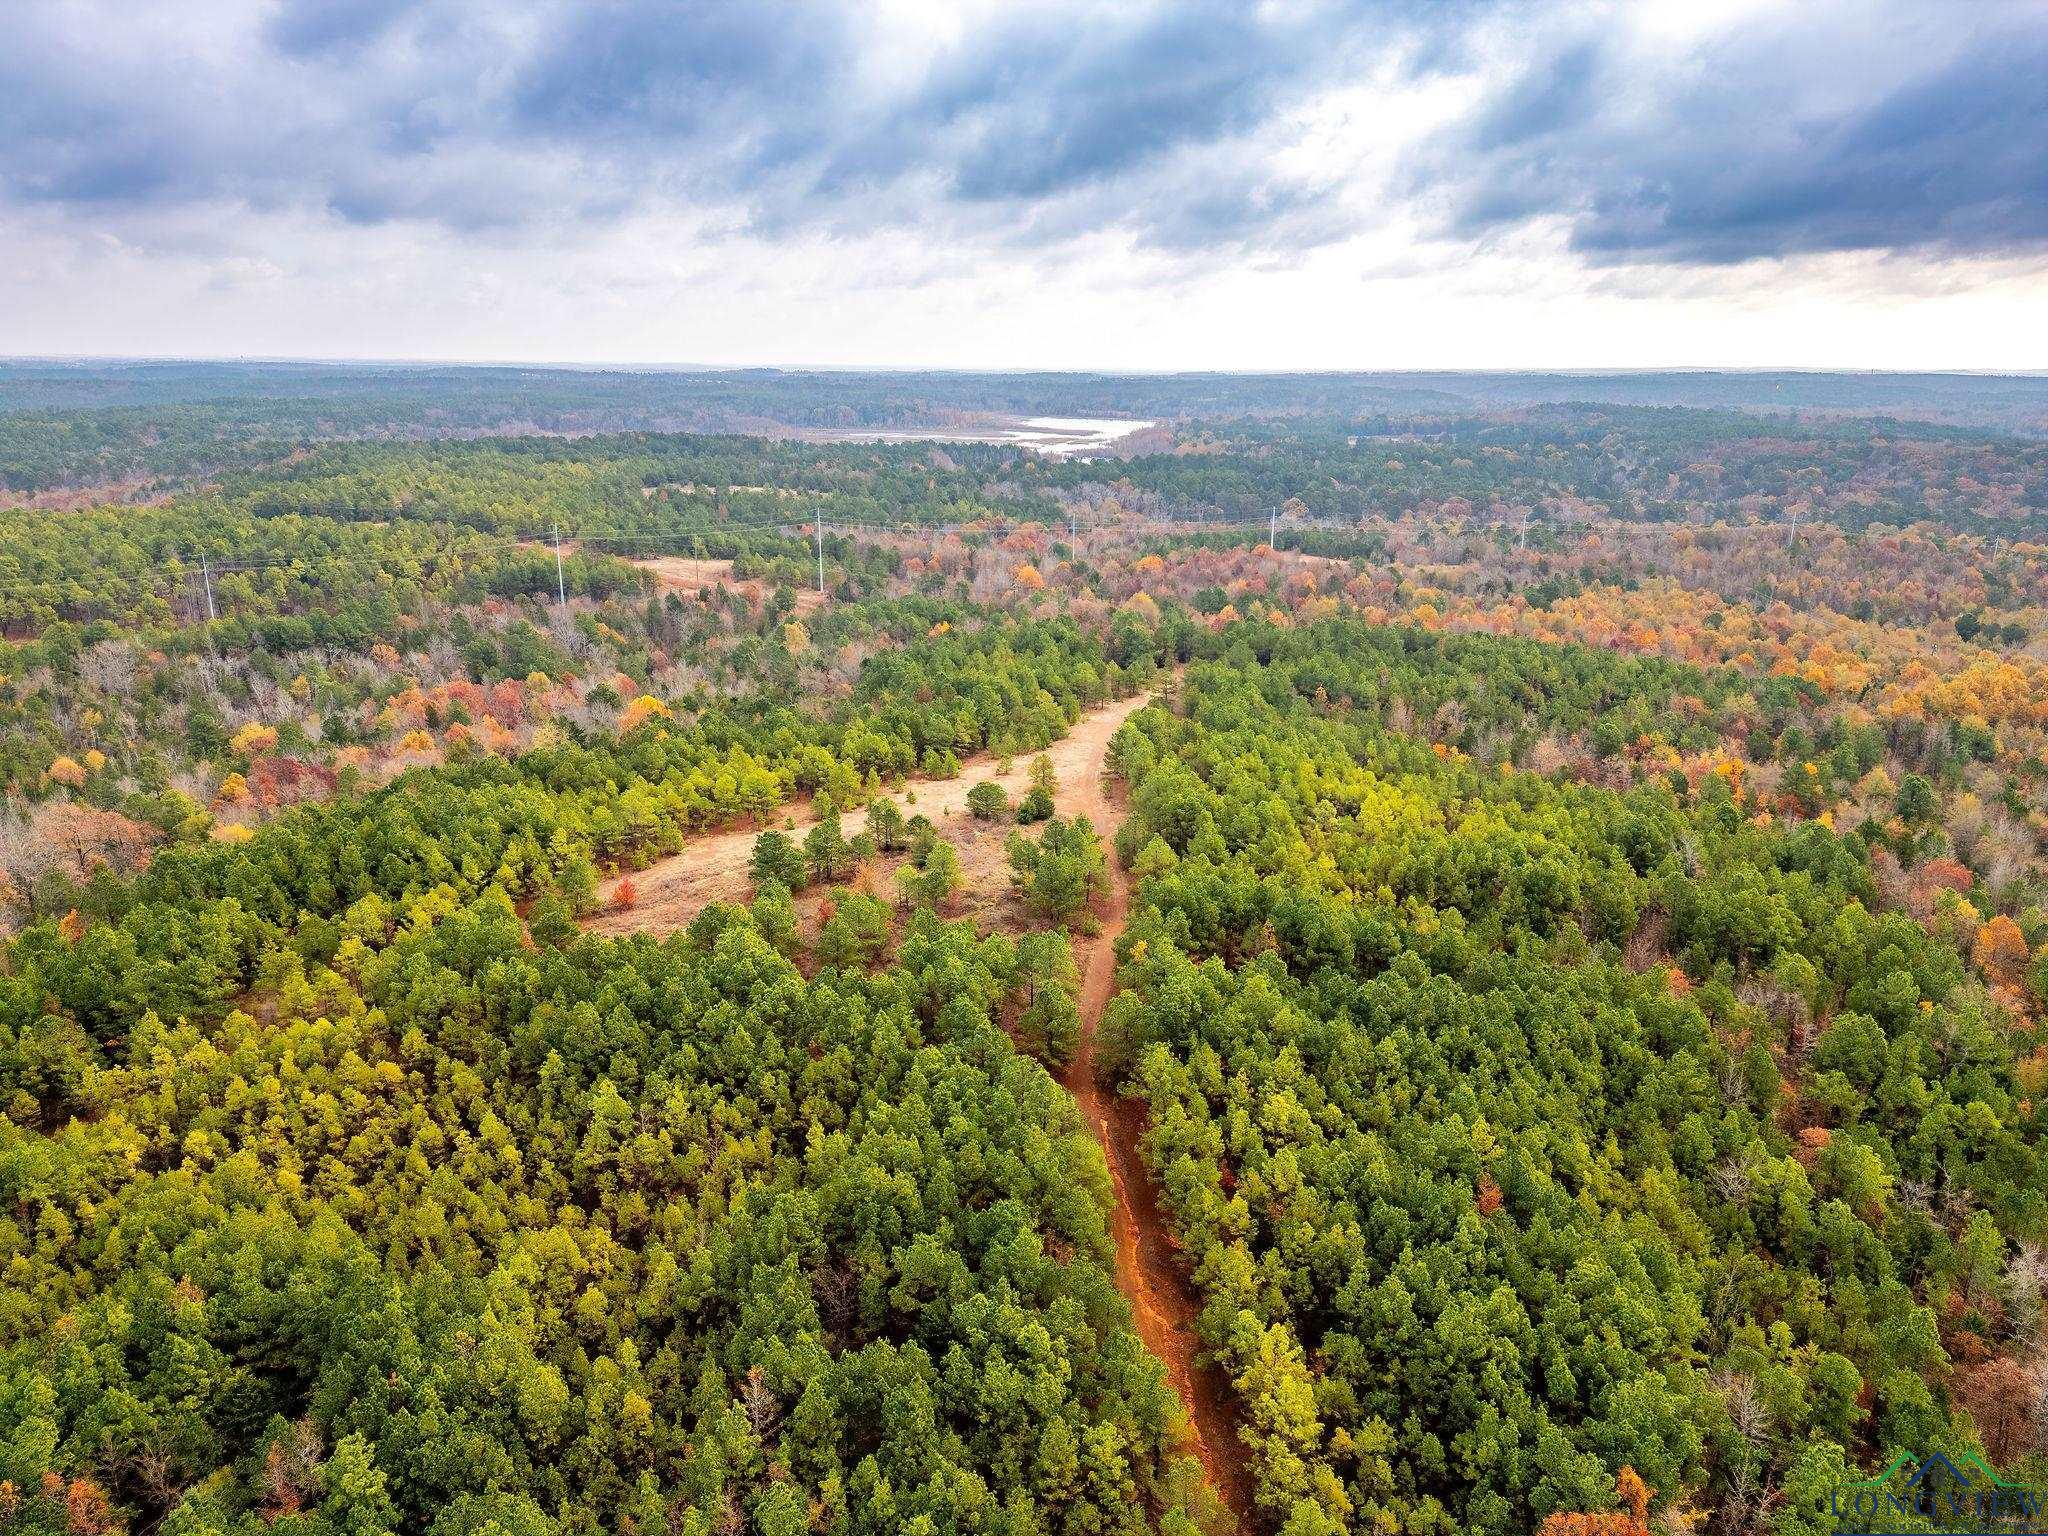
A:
78, 424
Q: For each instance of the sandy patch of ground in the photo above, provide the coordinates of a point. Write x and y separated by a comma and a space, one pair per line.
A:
714, 868
679, 573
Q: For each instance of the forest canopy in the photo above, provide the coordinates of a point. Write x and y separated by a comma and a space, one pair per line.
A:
1386, 954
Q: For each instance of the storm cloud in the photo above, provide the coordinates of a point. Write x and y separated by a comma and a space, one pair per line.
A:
1805, 128
1841, 128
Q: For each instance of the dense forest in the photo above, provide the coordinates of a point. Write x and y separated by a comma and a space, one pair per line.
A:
1396, 954
1518, 1130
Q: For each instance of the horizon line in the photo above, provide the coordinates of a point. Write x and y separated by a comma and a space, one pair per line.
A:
269, 359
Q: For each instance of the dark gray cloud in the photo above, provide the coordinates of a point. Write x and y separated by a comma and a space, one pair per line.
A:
1039, 105
1886, 125
773, 106
654, 74
1845, 128
501, 112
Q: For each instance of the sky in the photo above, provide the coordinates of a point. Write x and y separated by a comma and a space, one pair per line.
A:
1053, 184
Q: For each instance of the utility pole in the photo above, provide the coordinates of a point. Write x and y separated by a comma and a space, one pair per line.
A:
1073, 527
819, 524
1273, 529
206, 576
561, 585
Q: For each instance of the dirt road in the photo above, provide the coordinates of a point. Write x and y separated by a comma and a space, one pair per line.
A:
1163, 1303
714, 868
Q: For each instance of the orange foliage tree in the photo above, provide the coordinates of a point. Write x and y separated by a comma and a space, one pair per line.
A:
1489, 1195
2001, 952
1633, 1520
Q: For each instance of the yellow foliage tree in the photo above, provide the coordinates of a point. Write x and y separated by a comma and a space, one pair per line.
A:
644, 708
253, 740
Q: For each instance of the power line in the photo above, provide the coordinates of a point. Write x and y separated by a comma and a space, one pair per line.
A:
541, 540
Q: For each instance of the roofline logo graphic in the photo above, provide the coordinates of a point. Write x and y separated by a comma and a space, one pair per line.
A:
1963, 1490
